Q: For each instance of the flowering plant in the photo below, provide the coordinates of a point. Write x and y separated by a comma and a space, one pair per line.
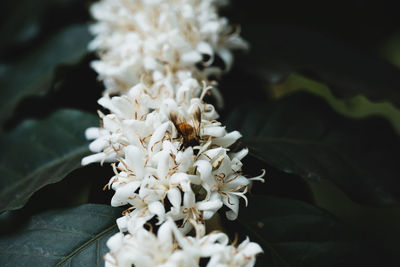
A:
174, 161
135, 139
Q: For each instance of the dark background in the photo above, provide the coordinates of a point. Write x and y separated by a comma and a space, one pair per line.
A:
325, 40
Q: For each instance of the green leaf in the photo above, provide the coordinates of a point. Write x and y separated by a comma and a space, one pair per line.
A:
70, 237
296, 234
34, 74
346, 70
301, 134
28, 20
390, 49
41, 152
354, 107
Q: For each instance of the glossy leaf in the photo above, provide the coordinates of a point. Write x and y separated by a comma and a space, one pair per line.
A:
301, 134
347, 71
354, 107
70, 237
34, 74
29, 20
294, 233
41, 152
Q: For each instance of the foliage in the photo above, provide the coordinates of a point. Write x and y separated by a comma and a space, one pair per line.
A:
69, 237
300, 134
294, 233
306, 103
52, 148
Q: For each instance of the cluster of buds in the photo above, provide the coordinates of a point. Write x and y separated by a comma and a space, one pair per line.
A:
171, 157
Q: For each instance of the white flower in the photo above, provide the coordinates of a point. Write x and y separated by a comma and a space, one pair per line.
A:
170, 155
155, 166
196, 211
170, 248
154, 162
132, 123
138, 36
242, 256
144, 249
137, 115
221, 174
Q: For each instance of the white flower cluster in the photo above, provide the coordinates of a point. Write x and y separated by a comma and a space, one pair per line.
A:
138, 36
170, 155
169, 248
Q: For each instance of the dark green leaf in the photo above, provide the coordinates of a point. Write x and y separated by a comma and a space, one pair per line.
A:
354, 107
301, 134
27, 20
38, 153
346, 70
71, 237
33, 75
294, 233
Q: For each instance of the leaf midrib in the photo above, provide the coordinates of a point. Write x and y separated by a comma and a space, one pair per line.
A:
87, 244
